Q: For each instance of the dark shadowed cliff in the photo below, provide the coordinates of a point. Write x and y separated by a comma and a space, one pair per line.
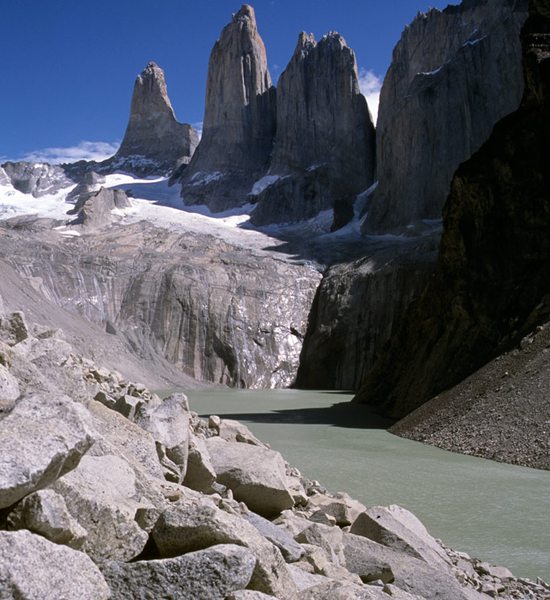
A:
492, 280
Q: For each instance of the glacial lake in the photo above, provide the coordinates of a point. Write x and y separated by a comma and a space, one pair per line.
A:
493, 511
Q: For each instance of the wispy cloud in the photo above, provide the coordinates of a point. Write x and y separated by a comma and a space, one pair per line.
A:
370, 85
83, 151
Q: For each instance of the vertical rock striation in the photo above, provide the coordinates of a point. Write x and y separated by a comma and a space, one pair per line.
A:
491, 284
324, 149
454, 74
239, 119
153, 138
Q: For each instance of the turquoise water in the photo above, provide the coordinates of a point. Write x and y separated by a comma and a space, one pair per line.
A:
493, 511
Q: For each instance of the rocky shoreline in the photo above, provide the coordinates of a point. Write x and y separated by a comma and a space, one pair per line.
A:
108, 491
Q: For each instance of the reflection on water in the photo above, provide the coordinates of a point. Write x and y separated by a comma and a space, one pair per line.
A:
491, 510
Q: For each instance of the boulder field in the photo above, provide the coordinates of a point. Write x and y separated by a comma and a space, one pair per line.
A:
109, 491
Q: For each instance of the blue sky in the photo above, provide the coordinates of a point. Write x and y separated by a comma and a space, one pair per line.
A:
69, 65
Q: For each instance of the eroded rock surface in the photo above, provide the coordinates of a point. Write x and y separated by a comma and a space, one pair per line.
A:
239, 119
154, 141
324, 147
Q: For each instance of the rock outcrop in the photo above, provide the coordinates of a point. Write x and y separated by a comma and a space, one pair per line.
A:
154, 140
37, 179
222, 313
491, 285
239, 119
324, 147
95, 209
355, 309
454, 74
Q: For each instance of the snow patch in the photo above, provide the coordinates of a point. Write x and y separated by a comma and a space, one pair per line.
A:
204, 178
263, 183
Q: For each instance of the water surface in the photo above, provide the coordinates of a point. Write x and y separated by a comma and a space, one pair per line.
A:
493, 511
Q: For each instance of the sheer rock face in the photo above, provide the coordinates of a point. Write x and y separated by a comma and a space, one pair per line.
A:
454, 74
491, 284
354, 312
153, 137
219, 312
324, 133
239, 119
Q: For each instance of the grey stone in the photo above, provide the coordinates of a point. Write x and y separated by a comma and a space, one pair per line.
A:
210, 574
454, 74
198, 524
234, 431
9, 389
337, 590
239, 119
41, 439
32, 568
398, 528
372, 561
154, 140
96, 210
277, 535
101, 495
38, 179
13, 328
304, 580
249, 595
330, 539
200, 474
45, 513
342, 508
324, 147
255, 475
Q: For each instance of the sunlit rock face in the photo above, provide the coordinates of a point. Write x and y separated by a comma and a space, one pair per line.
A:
239, 119
324, 148
219, 312
153, 137
454, 74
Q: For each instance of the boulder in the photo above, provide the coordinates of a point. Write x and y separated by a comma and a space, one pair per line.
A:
168, 423
398, 528
212, 573
101, 495
277, 535
337, 590
154, 141
256, 476
9, 389
235, 431
42, 438
372, 561
13, 328
195, 525
96, 210
200, 474
249, 595
32, 568
341, 507
239, 119
45, 513
330, 539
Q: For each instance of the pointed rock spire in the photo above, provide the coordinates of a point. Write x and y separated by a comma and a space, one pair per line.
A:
153, 135
325, 136
239, 118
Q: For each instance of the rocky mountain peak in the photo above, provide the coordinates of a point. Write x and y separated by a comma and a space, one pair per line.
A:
154, 138
325, 136
239, 118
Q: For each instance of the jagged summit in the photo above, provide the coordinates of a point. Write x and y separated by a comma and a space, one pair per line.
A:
325, 136
153, 134
239, 118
